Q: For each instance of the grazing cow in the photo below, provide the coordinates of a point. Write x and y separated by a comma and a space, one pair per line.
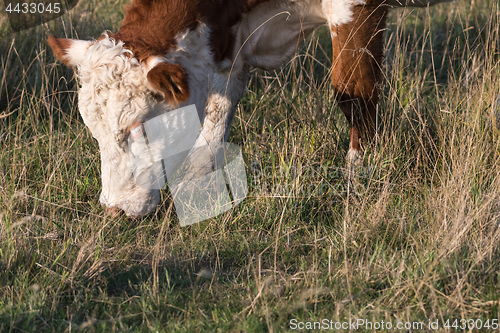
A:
171, 53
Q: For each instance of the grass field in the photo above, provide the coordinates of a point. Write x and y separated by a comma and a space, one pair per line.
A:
419, 244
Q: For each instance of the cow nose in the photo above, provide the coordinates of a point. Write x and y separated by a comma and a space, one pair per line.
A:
134, 205
116, 212
113, 211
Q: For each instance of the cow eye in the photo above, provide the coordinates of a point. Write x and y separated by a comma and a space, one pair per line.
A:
121, 139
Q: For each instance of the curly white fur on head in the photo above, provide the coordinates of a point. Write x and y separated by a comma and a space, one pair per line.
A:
109, 62
114, 86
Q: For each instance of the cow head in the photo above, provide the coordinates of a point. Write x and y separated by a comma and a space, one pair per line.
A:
117, 93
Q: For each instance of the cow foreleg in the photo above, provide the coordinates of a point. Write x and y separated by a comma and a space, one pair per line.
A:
198, 186
224, 94
357, 58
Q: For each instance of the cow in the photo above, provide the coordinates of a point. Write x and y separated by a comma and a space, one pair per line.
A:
172, 53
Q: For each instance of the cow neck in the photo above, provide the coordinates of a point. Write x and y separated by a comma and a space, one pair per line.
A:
150, 28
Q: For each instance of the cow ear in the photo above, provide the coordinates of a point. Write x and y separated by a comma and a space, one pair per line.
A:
170, 81
69, 51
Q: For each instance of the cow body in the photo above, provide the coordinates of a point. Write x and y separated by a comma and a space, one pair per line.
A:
170, 53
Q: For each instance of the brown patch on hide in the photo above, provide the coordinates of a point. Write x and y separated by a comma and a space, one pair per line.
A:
150, 27
357, 59
220, 17
170, 81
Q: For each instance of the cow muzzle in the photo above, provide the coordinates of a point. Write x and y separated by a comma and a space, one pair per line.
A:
139, 203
